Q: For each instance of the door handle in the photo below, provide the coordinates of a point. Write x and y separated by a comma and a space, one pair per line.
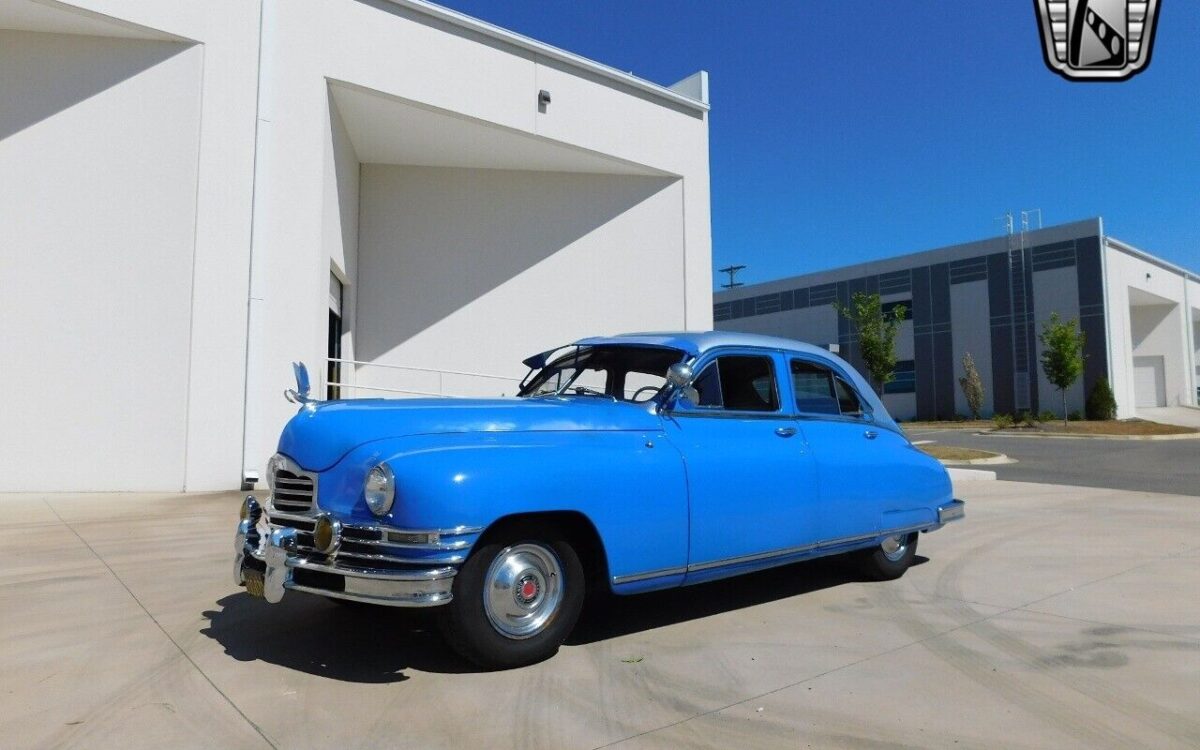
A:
870, 434
785, 431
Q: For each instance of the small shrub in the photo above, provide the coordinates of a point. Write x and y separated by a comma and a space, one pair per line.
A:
1002, 421
972, 385
1026, 419
1101, 404
1047, 416
1075, 416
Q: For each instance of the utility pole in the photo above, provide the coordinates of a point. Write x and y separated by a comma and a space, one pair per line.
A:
732, 271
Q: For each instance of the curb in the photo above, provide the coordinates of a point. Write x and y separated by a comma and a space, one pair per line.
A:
995, 460
970, 475
1059, 436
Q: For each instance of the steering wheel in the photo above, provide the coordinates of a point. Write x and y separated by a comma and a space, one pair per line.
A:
652, 388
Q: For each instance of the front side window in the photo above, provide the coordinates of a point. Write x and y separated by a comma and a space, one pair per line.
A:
737, 382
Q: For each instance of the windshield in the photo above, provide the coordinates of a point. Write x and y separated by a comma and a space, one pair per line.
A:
625, 373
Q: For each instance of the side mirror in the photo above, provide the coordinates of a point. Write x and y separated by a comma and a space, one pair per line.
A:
679, 375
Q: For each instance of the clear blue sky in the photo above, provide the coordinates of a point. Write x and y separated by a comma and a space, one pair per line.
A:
847, 131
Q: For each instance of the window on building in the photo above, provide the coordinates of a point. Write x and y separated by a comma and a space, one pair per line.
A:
906, 378
888, 307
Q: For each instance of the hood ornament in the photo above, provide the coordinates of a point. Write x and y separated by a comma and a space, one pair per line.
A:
299, 394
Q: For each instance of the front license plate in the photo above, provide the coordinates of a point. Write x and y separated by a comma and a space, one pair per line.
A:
254, 583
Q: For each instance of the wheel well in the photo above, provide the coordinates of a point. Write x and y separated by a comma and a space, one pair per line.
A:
575, 526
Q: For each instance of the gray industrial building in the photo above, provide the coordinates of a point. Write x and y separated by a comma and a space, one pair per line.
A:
1141, 316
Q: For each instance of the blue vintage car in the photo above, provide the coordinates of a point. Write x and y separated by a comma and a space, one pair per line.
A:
626, 464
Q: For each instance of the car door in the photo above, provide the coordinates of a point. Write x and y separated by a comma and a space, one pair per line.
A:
750, 476
858, 463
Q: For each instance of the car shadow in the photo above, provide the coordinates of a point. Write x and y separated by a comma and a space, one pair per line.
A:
611, 616
345, 642
365, 644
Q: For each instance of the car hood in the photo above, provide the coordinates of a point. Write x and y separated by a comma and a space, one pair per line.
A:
321, 433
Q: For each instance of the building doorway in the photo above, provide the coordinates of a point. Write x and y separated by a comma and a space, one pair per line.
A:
333, 365
1149, 381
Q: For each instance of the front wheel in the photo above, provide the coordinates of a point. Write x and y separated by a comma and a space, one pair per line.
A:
516, 599
890, 559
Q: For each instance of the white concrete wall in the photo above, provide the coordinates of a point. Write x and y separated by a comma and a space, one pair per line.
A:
1154, 330
395, 54
1056, 290
970, 331
474, 270
98, 152
173, 213
131, 165
339, 227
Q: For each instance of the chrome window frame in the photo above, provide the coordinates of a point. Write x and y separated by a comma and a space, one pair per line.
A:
700, 363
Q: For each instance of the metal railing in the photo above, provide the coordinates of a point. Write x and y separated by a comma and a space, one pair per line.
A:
349, 368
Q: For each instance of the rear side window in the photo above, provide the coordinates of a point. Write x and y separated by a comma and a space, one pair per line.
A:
819, 391
813, 386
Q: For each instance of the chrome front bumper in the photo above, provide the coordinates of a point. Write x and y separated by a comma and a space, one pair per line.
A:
270, 560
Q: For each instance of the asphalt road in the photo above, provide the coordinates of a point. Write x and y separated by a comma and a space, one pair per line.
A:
1170, 466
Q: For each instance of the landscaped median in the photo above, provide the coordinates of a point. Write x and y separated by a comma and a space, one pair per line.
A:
954, 456
1130, 429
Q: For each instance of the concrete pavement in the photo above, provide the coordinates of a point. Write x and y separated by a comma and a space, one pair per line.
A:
1184, 416
1053, 617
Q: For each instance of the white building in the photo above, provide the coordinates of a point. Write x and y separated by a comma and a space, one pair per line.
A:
1140, 314
195, 194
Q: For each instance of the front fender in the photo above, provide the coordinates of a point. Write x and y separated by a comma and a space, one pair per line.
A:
630, 485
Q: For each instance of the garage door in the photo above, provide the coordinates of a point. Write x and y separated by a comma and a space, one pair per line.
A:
1149, 382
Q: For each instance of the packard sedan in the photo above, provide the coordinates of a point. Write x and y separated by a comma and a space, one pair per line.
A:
625, 464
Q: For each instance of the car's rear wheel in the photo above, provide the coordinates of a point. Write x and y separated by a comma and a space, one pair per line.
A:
516, 599
890, 559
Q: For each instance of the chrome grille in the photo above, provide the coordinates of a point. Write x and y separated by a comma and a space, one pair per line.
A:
292, 492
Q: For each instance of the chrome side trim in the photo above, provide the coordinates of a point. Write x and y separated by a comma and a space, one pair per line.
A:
789, 551
660, 573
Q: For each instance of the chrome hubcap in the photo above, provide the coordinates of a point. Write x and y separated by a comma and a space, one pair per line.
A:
894, 547
522, 590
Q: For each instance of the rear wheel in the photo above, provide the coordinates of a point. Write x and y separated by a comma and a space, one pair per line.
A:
516, 599
890, 559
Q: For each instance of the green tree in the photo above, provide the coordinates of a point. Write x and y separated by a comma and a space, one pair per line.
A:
876, 335
1062, 354
972, 385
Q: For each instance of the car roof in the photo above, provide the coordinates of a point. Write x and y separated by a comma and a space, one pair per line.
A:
698, 342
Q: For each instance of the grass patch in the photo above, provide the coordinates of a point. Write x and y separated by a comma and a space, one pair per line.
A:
952, 453
957, 424
1113, 427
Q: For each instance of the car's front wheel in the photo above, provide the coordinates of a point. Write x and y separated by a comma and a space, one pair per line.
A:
516, 599
890, 559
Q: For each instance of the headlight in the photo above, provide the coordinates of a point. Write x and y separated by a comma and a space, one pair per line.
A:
380, 489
